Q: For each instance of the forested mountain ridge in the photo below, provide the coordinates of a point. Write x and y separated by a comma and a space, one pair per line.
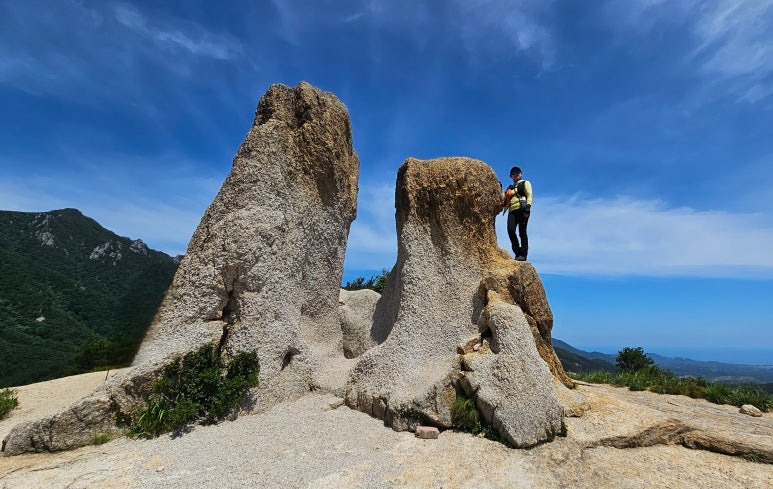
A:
73, 295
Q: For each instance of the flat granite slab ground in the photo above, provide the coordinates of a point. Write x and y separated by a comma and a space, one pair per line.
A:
318, 442
53, 396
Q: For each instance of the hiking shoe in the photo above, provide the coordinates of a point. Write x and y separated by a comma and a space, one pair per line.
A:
520, 258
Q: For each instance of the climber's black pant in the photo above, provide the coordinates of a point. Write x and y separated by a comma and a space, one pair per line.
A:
518, 218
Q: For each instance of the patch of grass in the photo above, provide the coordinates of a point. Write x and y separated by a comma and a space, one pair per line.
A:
636, 380
198, 385
718, 393
661, 381
8, 401
751, 394
684, 386
101, 438
753, 457
594, 377
465, 415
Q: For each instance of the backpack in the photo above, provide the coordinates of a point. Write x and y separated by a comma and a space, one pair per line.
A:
520, 188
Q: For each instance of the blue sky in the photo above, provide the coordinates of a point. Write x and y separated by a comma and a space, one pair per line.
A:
645, 126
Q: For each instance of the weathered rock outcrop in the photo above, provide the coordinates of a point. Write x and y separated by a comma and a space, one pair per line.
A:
520, 283
621, 418
449, 269
84, 420
262, 271
511, 384
356, 309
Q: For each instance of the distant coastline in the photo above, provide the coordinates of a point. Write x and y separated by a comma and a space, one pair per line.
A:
739, 356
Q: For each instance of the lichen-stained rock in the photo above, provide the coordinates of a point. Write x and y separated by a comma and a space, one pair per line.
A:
356, 309
448, 260
262, 270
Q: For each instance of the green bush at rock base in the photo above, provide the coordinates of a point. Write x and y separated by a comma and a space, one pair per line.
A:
199, 385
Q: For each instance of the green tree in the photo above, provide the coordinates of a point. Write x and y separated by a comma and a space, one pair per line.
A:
96, 353
633, 359
376, 282
356, 284
381, 280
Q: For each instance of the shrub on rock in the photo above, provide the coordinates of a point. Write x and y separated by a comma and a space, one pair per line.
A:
198, 385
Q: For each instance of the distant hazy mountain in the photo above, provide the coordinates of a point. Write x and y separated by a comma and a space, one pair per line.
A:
573, 362
714, 371
73, 295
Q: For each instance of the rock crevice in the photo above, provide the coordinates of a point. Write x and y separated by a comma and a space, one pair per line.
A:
675, 432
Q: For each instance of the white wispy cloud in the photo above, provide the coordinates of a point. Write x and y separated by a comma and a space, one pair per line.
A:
737, 36
191, 37
165, 226
568, 236
521, 25
618, 237
581, 236
40, 49
728, 41
91, 51
372, 243
159, 201
736, 45
482, 29
291, 21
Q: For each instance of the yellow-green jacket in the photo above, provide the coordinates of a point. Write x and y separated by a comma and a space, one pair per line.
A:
517, 195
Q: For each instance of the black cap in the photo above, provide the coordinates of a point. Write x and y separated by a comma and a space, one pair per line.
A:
515, 170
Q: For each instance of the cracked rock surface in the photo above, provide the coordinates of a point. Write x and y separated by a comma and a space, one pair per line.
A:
262, 270
622, 418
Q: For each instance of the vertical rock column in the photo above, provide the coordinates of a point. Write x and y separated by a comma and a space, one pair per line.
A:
262, 270
437, 298
264, 267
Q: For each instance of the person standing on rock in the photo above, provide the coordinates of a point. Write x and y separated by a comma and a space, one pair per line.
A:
517, 200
